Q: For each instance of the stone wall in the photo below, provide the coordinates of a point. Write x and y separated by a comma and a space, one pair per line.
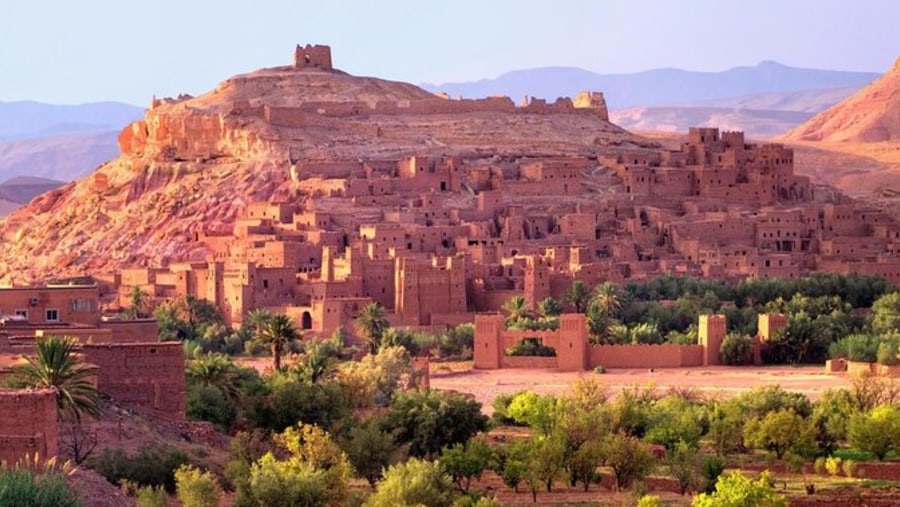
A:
27, 423
646, 356
149, 376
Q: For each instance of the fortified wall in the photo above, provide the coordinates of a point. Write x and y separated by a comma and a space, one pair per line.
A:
574, 353
144, 375
27, 423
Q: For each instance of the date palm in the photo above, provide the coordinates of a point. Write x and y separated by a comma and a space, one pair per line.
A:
516, 310
56, 366
372, 323
277, 334
578, 296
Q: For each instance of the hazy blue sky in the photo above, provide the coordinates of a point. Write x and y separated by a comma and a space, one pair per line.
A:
66, 51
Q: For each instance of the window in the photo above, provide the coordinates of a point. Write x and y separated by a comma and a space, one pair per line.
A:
52, 315
22, 313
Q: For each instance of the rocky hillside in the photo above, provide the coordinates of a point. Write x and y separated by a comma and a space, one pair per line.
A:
192, 165
870, 115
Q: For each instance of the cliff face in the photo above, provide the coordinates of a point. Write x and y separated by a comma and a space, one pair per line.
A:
192, 165
870, 115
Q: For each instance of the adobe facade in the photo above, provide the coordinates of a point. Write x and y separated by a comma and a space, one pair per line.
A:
28, 424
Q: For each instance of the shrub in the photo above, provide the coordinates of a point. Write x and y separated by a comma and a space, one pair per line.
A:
501, 406
531, 347
736, 350
152, 465
849, 467
209, 403
415, 482
23, 487
861, 347
648, 501
150, 496
833, 465
736, 490
629, 458
877, 432
195, 488
819, 465
711, 467
887, 351
431, 420
599, 369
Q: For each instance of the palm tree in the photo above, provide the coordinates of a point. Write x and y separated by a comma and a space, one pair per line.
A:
258, 318
516, 309
372, 323
550, 307
216, 370
606, 297
57, 367
278, 333
138, 298
578, 296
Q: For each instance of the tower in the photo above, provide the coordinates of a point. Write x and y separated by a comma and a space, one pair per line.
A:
712, 333
309, 56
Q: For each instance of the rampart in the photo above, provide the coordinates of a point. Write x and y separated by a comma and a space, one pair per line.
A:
27, 423
149, 376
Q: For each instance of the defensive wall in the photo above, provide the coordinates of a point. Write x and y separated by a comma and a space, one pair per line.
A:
27, 423
574, 353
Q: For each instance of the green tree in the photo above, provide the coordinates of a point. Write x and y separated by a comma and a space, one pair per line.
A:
578, 296
550, 307
886, 313
736, 490
683, 464
278, 334
516, 310
877, 432
215, 370
138, 298
535, 410
372, 323
779, 432
464, 462
415, 482
629, 458
546, 459
674, 419
257, 319
512, 462
430, 420
371, 450
374, 380
56, 366
736, 349
608, 299
195, 488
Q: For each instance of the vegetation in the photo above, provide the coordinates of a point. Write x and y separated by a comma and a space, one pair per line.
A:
21, 486
152, 465
195, 488
278, 334
372, 323
736, 490
56, 366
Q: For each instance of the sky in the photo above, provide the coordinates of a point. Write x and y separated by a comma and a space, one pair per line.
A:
70, 52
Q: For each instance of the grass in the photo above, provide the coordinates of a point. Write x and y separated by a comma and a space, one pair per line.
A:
860, 456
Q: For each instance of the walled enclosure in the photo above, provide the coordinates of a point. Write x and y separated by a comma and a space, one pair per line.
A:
574, 353
144, 375
27, 423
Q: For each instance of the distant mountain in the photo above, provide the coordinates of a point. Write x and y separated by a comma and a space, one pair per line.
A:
22, 189
757, 123
806, 101
19, 120
870, 115
660, 87
61, 157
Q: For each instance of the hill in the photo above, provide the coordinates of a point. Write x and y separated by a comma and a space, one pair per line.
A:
646, 89
870, 115
62, 157
754, 122
25, 119
192, 165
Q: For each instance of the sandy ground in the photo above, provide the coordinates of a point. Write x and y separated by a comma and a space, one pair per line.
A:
713, 381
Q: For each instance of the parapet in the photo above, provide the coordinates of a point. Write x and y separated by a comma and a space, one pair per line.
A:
309, 56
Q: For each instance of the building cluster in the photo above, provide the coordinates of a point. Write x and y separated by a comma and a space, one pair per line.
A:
437, 239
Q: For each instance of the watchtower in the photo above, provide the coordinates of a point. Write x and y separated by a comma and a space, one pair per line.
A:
309, 56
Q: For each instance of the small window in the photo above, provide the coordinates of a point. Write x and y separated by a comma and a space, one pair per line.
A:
22, 313
52, 315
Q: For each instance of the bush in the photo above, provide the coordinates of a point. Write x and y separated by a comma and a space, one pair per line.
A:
833, 465
859, 347
415, 482
736, 350
153, 465
877, 432
430, 420
209, 403
457, 342
648, 501
736, 490
599, 369
887, 351
501, 406
22, 487
150, 496
531, 347
819, 465
849, 467
711, 467
195, 488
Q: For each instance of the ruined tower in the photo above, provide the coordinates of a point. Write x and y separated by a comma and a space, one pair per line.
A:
309, 56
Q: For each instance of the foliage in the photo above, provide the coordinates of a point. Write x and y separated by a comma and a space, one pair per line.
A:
457, 342
209, 403
545, 461
849, 467
195, 488
430, 420
886, 314
888, 350
414, 482
511, 464
56, 366
813, 324
833, 465
186, 319
726, 425
372, 323
736, 490
150, 496
501, 406
877, 432
550, 307
535, 410
736, 350
278, 334
759, 401
314, 472
830, 417
648, 501
577, 296
683, 463
629, 458
138, 298
287, 400
631, 410
371, 449
400, 337
374, 380
27, 488
675, 420
152, 465
516, 310
531, 347
779, 432
464, 462
711, 467
856, 347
